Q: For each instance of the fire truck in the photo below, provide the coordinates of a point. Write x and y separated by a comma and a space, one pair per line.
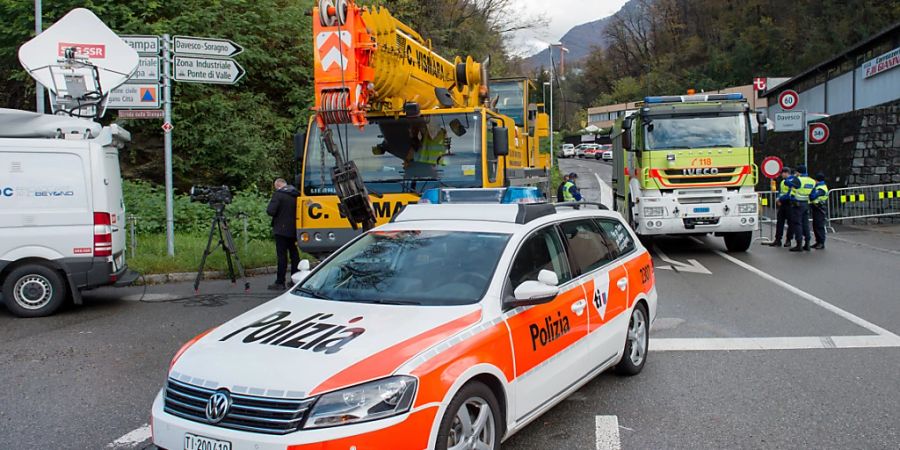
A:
684, 165
393, 118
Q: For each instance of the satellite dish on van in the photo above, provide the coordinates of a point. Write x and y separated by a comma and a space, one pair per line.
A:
79, 60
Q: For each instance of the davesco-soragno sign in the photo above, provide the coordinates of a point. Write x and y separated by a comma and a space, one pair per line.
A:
882, 63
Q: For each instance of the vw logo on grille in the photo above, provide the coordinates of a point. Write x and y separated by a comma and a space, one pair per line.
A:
217, 406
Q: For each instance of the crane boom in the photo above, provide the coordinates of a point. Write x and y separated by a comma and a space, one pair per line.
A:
367, 61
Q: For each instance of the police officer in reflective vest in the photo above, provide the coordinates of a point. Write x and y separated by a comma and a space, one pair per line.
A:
783, 203
818, 203
802, 186
570, 190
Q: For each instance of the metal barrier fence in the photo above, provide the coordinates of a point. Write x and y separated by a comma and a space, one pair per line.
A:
864, 202
768, 214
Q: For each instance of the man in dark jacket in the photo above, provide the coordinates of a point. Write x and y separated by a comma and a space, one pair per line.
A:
561, 188
283, 209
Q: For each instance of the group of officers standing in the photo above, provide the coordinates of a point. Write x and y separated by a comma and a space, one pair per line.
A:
799, 195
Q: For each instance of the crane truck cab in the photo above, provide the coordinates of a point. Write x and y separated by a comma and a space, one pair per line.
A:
396, 118
684, 165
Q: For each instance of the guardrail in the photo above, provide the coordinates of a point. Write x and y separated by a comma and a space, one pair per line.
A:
768, 214
864, 202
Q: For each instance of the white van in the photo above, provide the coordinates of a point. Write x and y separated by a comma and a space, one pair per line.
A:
62, 214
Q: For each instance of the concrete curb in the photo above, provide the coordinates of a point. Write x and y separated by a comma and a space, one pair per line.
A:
162, 278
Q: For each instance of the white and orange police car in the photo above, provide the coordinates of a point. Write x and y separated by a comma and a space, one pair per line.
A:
452, 327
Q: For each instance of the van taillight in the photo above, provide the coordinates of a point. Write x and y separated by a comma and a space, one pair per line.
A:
102, 234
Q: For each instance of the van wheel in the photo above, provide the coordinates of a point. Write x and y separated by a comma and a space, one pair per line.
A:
33, 290
471, 421
739, 241
637, 342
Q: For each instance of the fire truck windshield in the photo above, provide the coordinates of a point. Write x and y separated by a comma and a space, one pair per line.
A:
401, 155
703, 131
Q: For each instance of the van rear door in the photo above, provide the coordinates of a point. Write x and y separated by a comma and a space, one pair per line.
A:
115, 204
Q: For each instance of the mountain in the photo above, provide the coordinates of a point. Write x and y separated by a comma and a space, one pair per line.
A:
580, 40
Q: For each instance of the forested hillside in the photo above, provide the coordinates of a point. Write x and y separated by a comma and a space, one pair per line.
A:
668, 46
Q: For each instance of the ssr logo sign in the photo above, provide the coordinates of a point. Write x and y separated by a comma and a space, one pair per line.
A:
700, 171
6, 191
312, 333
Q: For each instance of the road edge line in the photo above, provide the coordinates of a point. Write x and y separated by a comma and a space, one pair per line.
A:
807, 296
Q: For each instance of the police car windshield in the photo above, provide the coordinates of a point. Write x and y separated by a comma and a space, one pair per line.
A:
431, 268
706, 131
401, 155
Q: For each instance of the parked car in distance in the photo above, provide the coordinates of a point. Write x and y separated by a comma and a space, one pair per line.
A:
606, 152
567, 151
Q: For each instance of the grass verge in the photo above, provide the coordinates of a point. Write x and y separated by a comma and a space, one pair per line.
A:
150, 256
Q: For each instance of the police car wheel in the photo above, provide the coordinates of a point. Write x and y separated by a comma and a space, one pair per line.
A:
33, 290
637, 342
471, 421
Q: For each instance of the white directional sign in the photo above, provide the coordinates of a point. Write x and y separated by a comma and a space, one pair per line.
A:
144, 45
134, 96
207, 70
222, 48
692, 265
789, 121
147, 71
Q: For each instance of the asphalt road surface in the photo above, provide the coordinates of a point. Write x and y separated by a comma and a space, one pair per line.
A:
766, 349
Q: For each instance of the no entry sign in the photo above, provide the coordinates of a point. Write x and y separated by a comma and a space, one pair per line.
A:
771, 167
788, 99
818, 133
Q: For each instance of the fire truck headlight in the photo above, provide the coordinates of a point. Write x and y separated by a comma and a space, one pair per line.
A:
654, 211
747, 208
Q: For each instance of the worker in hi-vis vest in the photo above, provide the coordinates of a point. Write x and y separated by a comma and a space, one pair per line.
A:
783, 203
818, 204
570, 189
802, 186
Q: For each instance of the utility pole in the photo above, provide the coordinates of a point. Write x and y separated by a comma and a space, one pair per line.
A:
38, 28
167, 141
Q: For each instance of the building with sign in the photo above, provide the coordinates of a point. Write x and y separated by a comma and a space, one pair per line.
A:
858, 91
865, 75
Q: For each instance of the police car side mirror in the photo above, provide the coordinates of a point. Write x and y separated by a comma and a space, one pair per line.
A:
501, 141
532, 292
302, 273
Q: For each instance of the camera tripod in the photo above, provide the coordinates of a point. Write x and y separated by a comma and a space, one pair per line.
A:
220, 224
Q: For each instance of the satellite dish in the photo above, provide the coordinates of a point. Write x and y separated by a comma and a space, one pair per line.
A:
79, 60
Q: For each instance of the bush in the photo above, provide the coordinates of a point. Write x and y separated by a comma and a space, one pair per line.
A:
147, 202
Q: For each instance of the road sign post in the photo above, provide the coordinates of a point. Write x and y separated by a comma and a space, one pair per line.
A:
167, 140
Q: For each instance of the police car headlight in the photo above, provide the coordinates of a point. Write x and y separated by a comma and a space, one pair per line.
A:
654, 211
747, 208
369, 401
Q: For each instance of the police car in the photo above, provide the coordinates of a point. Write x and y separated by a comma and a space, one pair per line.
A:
451, 327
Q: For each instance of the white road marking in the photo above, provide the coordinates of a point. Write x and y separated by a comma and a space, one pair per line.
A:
771, 343
692, 265
132, 438
605, 192
807, 296
607, 432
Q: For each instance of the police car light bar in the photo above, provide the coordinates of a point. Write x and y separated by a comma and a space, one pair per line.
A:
693, 98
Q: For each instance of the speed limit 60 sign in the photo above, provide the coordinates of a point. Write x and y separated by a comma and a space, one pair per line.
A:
788, 99
818, 133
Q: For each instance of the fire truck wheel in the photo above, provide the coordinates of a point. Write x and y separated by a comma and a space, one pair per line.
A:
738, 242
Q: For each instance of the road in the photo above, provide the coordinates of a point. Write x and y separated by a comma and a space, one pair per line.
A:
766, 349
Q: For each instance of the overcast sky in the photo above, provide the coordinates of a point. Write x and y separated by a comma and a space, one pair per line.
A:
562, 15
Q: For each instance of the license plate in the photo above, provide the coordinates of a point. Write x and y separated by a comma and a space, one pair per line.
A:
701, 210
194, 442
